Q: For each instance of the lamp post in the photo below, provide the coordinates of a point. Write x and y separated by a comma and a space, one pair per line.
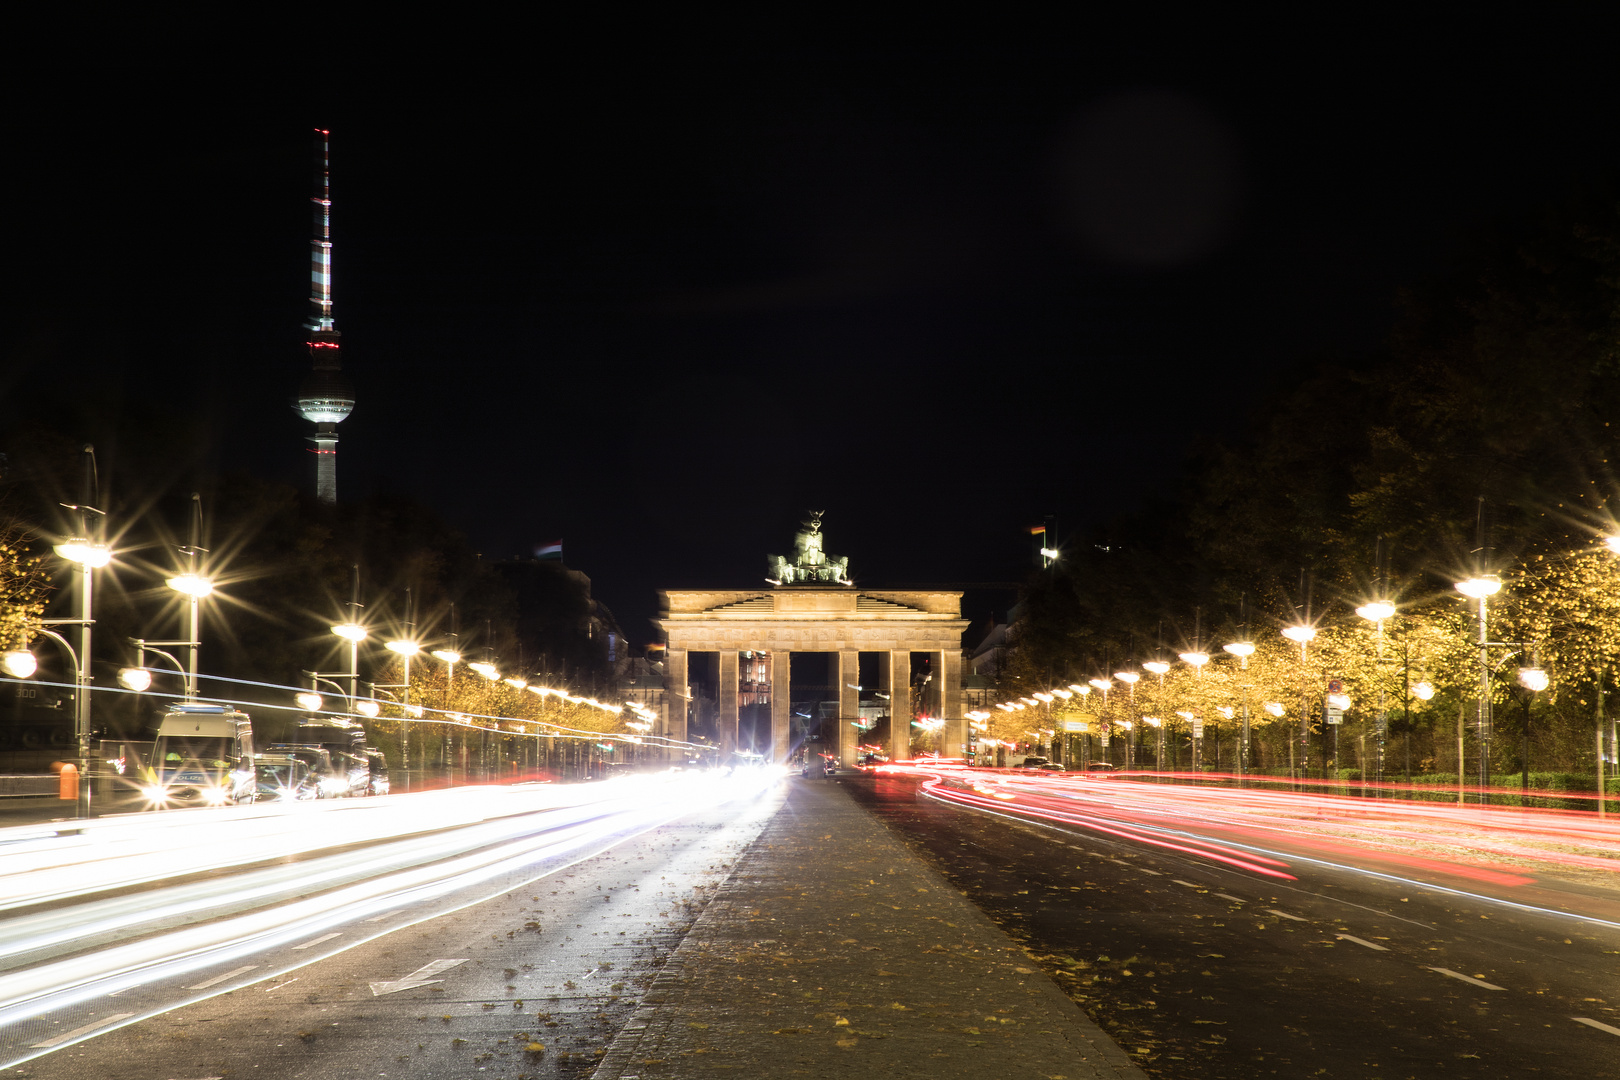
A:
21, 664
90, 555
1242, 650
1482, 589
1532, 680
195, 587
1376, 612
405, 648
354, 633
451, 658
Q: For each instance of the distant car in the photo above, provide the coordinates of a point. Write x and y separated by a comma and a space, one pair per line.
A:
805, 771
283, 778
1033, 762
1052, 766
831, 769
1100, 766
378, 770
332, 779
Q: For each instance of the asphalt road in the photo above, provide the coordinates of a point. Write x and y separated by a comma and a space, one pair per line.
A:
530, 974
1201, 970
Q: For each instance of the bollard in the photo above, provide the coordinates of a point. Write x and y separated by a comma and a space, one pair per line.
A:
68, 783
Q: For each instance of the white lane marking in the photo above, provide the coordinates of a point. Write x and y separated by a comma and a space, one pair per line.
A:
380, 918
1600, 1025
1145, 870
112, 1018
1361, 941
420, 977
317, 941
1467, 978
1189, 884
278, 986
1285, 915
1229, 896
221, 978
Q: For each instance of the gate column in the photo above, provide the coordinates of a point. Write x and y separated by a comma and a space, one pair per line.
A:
726, 699
950, 702
849, 707
897, 668
677, 695
781, 680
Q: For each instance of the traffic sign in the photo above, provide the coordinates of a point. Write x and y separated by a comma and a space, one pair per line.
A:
1198, 727
1335, 686
1335, 716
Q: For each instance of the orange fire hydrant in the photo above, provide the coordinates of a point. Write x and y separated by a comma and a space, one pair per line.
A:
68, 783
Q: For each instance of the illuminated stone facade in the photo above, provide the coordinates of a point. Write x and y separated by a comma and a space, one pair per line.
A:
837, 619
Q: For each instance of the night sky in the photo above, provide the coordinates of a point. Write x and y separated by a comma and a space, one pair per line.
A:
656, 291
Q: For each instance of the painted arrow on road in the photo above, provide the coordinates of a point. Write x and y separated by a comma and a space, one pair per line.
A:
420, 977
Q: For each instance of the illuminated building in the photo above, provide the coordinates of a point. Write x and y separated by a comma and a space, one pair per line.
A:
325, 398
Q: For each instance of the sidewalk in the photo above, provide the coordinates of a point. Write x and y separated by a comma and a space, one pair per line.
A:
832, 950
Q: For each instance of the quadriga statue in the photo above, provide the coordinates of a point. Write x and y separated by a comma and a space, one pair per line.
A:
810, 564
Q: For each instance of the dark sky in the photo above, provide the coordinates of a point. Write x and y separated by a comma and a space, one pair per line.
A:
658, 290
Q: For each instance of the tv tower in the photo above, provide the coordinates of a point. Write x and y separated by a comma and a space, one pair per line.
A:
325, 398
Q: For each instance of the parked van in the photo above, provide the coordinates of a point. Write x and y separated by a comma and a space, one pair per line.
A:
203, 756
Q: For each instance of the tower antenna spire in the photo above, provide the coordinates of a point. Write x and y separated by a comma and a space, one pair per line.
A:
325, 399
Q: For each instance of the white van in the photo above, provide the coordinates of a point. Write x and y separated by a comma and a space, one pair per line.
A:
203, 756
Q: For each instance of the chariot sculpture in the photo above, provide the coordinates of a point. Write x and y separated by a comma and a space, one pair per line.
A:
809, 564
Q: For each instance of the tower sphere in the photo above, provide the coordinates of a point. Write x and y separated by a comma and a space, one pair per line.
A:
325, 397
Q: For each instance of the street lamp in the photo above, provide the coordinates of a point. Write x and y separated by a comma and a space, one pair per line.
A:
90, 557
1482, 589
354, 634
1196, 659
19, 663
195, 587
309, 701
405, 648
1533, 679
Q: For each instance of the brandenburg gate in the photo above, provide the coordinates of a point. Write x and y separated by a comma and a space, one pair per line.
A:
811, 606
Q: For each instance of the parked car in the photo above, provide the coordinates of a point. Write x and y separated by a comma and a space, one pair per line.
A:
831, 769
1100, 767
1033, 762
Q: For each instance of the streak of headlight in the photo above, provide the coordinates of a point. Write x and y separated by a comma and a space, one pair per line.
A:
138, 849
1206, 850
55, 985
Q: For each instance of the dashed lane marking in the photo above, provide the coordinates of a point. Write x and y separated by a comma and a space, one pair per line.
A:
217, 979
1361, 941
1285, 915
111, 1018
1189, 884
1145, 870
1229, 896
384, 915
1600, 1025
316, 941
1467, 978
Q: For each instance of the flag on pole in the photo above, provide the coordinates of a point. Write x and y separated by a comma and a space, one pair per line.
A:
552, 550
1037, 529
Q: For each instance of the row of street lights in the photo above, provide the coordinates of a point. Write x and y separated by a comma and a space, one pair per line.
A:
1530, 676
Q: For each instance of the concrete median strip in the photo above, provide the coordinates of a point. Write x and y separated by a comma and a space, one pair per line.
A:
777, 976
